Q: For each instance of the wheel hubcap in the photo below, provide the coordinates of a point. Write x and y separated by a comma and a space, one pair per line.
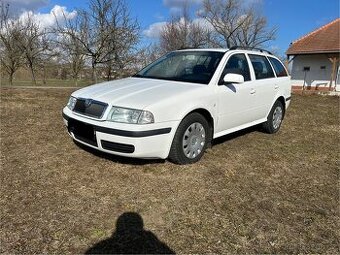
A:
193, 140
277, 117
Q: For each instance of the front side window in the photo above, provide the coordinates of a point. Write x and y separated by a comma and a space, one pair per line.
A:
237, 64
261, 66
278, 67
186, 66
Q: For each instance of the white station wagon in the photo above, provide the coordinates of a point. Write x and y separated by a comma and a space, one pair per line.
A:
176, 106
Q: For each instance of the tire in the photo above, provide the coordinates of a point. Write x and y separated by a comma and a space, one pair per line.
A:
189, 143
274, 119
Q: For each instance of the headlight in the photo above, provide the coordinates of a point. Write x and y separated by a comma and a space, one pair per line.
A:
71, 103
133, 116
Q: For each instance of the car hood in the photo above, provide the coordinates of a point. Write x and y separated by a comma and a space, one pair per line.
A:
135, 93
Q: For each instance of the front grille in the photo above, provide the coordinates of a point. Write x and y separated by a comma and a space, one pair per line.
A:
90, 107
118, 147
82, 131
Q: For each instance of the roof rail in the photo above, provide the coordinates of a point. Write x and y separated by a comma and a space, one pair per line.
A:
186, 48
249, 48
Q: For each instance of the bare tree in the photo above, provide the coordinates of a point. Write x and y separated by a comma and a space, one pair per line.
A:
173, 36
147, 55
121, 48
105, 32
237, 24
34, 45
224, 17
182, 32
11, 33
71, 52
253, 31
77, 61
200, 35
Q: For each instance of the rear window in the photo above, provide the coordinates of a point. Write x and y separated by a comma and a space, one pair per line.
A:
278, 67
262, 67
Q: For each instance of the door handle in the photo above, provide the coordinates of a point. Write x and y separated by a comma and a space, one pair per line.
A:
276, 86
252, 91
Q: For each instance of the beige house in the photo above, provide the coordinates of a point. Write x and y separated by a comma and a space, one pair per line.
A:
313, 60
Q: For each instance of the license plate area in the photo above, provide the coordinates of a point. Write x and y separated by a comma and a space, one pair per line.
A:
82, 131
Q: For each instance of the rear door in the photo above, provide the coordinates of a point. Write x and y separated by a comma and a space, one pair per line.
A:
265, 84
283, 80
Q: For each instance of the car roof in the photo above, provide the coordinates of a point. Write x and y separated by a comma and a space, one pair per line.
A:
224, 50
206, 49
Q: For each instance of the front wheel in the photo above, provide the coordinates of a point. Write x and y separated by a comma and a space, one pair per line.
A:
274, 120
191, 139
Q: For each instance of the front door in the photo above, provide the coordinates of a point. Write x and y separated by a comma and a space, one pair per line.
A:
235, 101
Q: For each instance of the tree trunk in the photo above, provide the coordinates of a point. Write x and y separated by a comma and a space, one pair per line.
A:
75, 78
227, 41
44, 75
109, 74
94, 73
10, 78
34, 82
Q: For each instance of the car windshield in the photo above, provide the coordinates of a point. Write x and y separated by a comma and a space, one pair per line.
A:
186, 66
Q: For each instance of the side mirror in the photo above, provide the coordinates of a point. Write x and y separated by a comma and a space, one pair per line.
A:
233, 78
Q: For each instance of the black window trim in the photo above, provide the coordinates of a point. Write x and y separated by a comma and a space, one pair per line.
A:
249, 54
272, 67
269, 57
220, 80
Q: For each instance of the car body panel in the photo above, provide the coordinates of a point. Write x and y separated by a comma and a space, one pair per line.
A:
136, 93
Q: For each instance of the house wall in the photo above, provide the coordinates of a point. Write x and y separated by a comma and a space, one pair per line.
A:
316, 78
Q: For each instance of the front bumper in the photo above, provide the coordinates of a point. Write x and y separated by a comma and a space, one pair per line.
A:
130, 140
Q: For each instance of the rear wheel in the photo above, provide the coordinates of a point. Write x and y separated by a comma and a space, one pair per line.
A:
191, 139
275, 117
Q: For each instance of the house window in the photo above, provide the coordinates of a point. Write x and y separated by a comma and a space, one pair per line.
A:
306, 68
323, 67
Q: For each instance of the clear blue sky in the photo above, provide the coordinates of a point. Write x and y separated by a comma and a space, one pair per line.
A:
293, 18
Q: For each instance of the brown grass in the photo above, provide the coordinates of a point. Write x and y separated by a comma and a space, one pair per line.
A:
49, 83
251, 193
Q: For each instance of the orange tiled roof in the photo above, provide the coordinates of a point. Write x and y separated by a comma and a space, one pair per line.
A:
323, 40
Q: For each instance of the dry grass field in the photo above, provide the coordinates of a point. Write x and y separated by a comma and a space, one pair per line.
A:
49, 83
251, 193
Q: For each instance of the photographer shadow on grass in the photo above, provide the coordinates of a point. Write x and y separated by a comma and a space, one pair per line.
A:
130, 237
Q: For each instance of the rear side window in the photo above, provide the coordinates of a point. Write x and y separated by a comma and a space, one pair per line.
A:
278, 67
261, 66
